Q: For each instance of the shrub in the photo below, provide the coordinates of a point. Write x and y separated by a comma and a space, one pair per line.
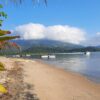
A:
2, 68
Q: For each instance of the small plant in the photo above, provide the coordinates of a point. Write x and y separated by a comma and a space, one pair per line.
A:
2, 68
3, 89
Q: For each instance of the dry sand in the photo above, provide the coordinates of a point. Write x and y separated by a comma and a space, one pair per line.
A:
52, 83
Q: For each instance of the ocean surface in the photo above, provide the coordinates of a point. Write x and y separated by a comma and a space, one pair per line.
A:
88, 66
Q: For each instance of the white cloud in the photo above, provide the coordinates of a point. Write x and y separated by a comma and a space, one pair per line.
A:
30, 31
94, 40
65, 34
98, 33
62, 33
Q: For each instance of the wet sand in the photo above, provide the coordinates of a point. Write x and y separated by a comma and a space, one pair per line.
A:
52, 83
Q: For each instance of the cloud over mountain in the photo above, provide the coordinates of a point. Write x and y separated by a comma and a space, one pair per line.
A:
94, 40
63, 33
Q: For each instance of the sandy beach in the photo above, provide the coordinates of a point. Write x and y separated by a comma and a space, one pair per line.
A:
50, 83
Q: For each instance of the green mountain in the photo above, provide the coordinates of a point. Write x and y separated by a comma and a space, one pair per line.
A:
46, 46
84, 49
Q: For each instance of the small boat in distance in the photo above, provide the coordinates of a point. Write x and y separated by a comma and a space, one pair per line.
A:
52, 56
28, 55
87, 53
44, 57
48, 56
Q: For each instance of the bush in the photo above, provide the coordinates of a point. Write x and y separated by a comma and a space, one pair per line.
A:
2, 68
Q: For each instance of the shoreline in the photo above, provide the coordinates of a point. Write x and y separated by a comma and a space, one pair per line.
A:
68, 71
52, 83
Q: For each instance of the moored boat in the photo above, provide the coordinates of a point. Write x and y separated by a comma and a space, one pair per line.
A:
52, 56
87, 53
44, 56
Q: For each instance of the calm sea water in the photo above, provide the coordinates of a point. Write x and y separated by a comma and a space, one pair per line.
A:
80, 63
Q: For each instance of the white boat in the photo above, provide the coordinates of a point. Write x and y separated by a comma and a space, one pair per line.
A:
48, 56
87, 53
16, 56
52, 56
28, 55
44, 56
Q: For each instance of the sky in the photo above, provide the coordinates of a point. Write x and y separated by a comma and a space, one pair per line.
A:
74, 21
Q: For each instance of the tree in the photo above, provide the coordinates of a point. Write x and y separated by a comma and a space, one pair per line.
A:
4, 39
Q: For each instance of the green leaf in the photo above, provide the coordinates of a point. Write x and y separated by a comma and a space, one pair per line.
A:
1, 6
1, 21
3, 14
4, 32
4, 38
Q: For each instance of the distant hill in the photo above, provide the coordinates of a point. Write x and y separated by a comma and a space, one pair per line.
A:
97, 46
45, 46
47, 43
49, 46
84, 49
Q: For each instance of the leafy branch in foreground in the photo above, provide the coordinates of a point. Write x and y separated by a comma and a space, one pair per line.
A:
2, 15
4, 39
